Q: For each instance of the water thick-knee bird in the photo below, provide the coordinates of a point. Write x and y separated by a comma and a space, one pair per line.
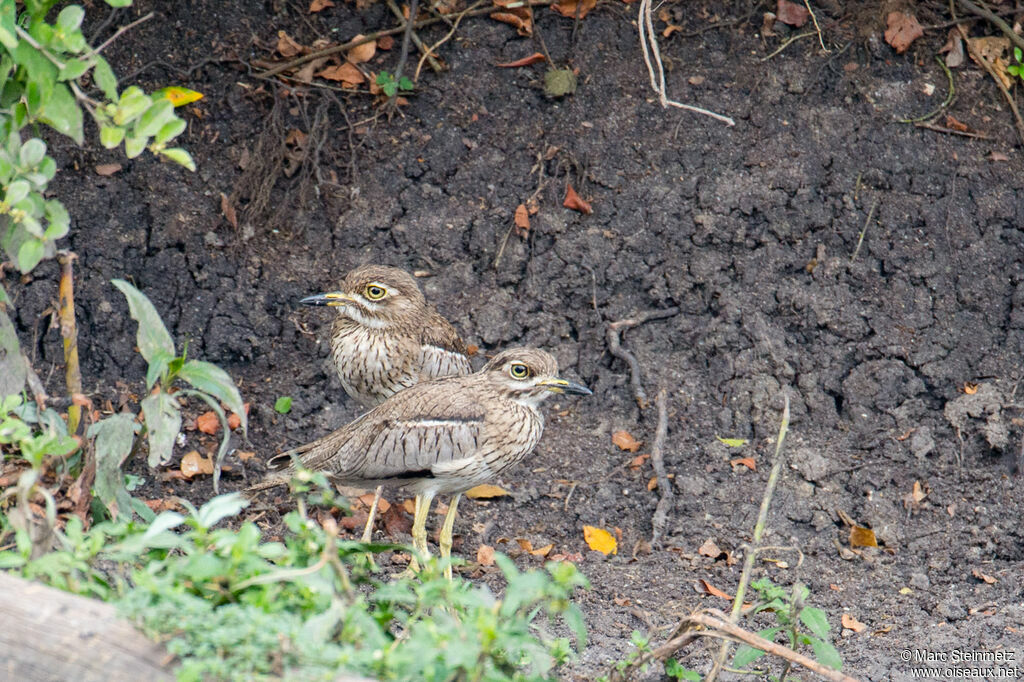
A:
440, 437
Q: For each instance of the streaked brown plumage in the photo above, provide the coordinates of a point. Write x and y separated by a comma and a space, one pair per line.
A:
442, 436
386, 336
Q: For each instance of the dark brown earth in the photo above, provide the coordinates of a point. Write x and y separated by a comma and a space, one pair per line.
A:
752, 231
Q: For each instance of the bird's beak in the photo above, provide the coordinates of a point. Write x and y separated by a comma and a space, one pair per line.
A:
563, 386
334, 298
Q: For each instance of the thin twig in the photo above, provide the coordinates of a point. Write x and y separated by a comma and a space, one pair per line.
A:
616, 349
658, 462
1018, 121
416, 39
951, 131
864, 231
656, 70
994, 18
759, 527
817, 28
787, 43
945, 104
118, 33
433, 48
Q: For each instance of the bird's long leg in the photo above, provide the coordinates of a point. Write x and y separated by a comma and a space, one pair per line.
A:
419, 528
444, 541
368, 530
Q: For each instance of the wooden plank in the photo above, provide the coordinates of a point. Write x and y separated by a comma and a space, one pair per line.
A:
49, 635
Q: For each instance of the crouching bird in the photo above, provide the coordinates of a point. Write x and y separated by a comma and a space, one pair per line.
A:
439, 437
386, 336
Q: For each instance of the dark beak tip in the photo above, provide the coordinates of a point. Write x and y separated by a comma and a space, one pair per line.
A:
318, 299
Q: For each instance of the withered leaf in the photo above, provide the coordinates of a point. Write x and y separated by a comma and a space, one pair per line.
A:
862, 537
525, 61
710, 549
625, 441
981, 576
708, 588
568, 8
485, 492
362, 53
522, 219
791, 13
229, 213
208, 422
901, 30
600, 540
485, 555
287, 47
851, 623
107, 169
319, 5
575, 202
193, 464
347, 74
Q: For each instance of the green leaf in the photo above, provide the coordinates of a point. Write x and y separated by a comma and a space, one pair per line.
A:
283, 405
674, 669
58, 219
32, 153
119, 3
211, 379
114, 438
158, 367
62, 113
732, 442
8, 34
180, 156
219, 508
111, 136
30, 253
825, 653
16, 191
815, 620
131, 105
159, 113
152, 336
745, 654
163, 422
573, 617
405, 84
104, 77
12, 367
133, 146
170, 130
73, 68
70, 18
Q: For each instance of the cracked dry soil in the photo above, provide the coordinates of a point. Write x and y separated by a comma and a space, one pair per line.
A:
754, 232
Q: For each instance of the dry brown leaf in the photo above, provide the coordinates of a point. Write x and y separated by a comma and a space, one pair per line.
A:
486, 492
527, 546
653, 483
472, 350
708, 588
245, 455
385, 42
409, 506
625, 441
670, 29
571, 557
517, 16
347, 74
367, 500
970, 388
287, 47
862, 537
638, 462
522, 219
954, 124
108, 169
319, 6
362, 53
600, 540
955, 47
234, 421
525, 61
568, 8
919, 492
485, 555
710, 549
851, 623
998, 156
901, 30
396, 521
193, 464
576, 202
208, 422
743, 462
229, 211
981, 576
791, 13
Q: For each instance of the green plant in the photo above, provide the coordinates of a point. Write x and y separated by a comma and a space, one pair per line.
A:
283, 405
233, 606
390, 87
791, 611
160, 410
50, 75
1018, 68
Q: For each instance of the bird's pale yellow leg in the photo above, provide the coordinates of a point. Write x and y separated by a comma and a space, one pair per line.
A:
444, 540
419, 529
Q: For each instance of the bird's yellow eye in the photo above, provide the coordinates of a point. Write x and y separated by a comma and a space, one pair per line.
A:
375, 293
519, 371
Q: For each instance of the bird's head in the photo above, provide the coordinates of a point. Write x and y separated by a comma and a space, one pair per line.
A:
529, 375
375, 296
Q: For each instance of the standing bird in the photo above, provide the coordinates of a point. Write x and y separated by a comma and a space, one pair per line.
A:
442, 436
387, 337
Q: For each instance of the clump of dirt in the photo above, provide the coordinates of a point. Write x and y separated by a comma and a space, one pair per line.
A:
868, 269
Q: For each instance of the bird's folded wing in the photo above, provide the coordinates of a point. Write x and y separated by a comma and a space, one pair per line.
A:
436, 362
413, 446
439, 333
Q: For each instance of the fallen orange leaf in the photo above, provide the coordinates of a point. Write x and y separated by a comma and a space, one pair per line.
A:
969, 387
245, 456
362, 53
472, 350
710, 549
319, 5
901, 30
385, 42
108, 169
851, 623
653, 483
527, 546
744, 461
638, 461
485, 555
981, 576
518, 16
626, 442
575, 202
792, 13
193, 464
522, 218
862, 537
708, 588
382, 505
600, 540
525, 61
234, 421
346, 73
486, 491
208, 422
286, 45
409, 506
568, 8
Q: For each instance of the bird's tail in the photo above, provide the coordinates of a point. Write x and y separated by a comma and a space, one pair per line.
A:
282, 468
